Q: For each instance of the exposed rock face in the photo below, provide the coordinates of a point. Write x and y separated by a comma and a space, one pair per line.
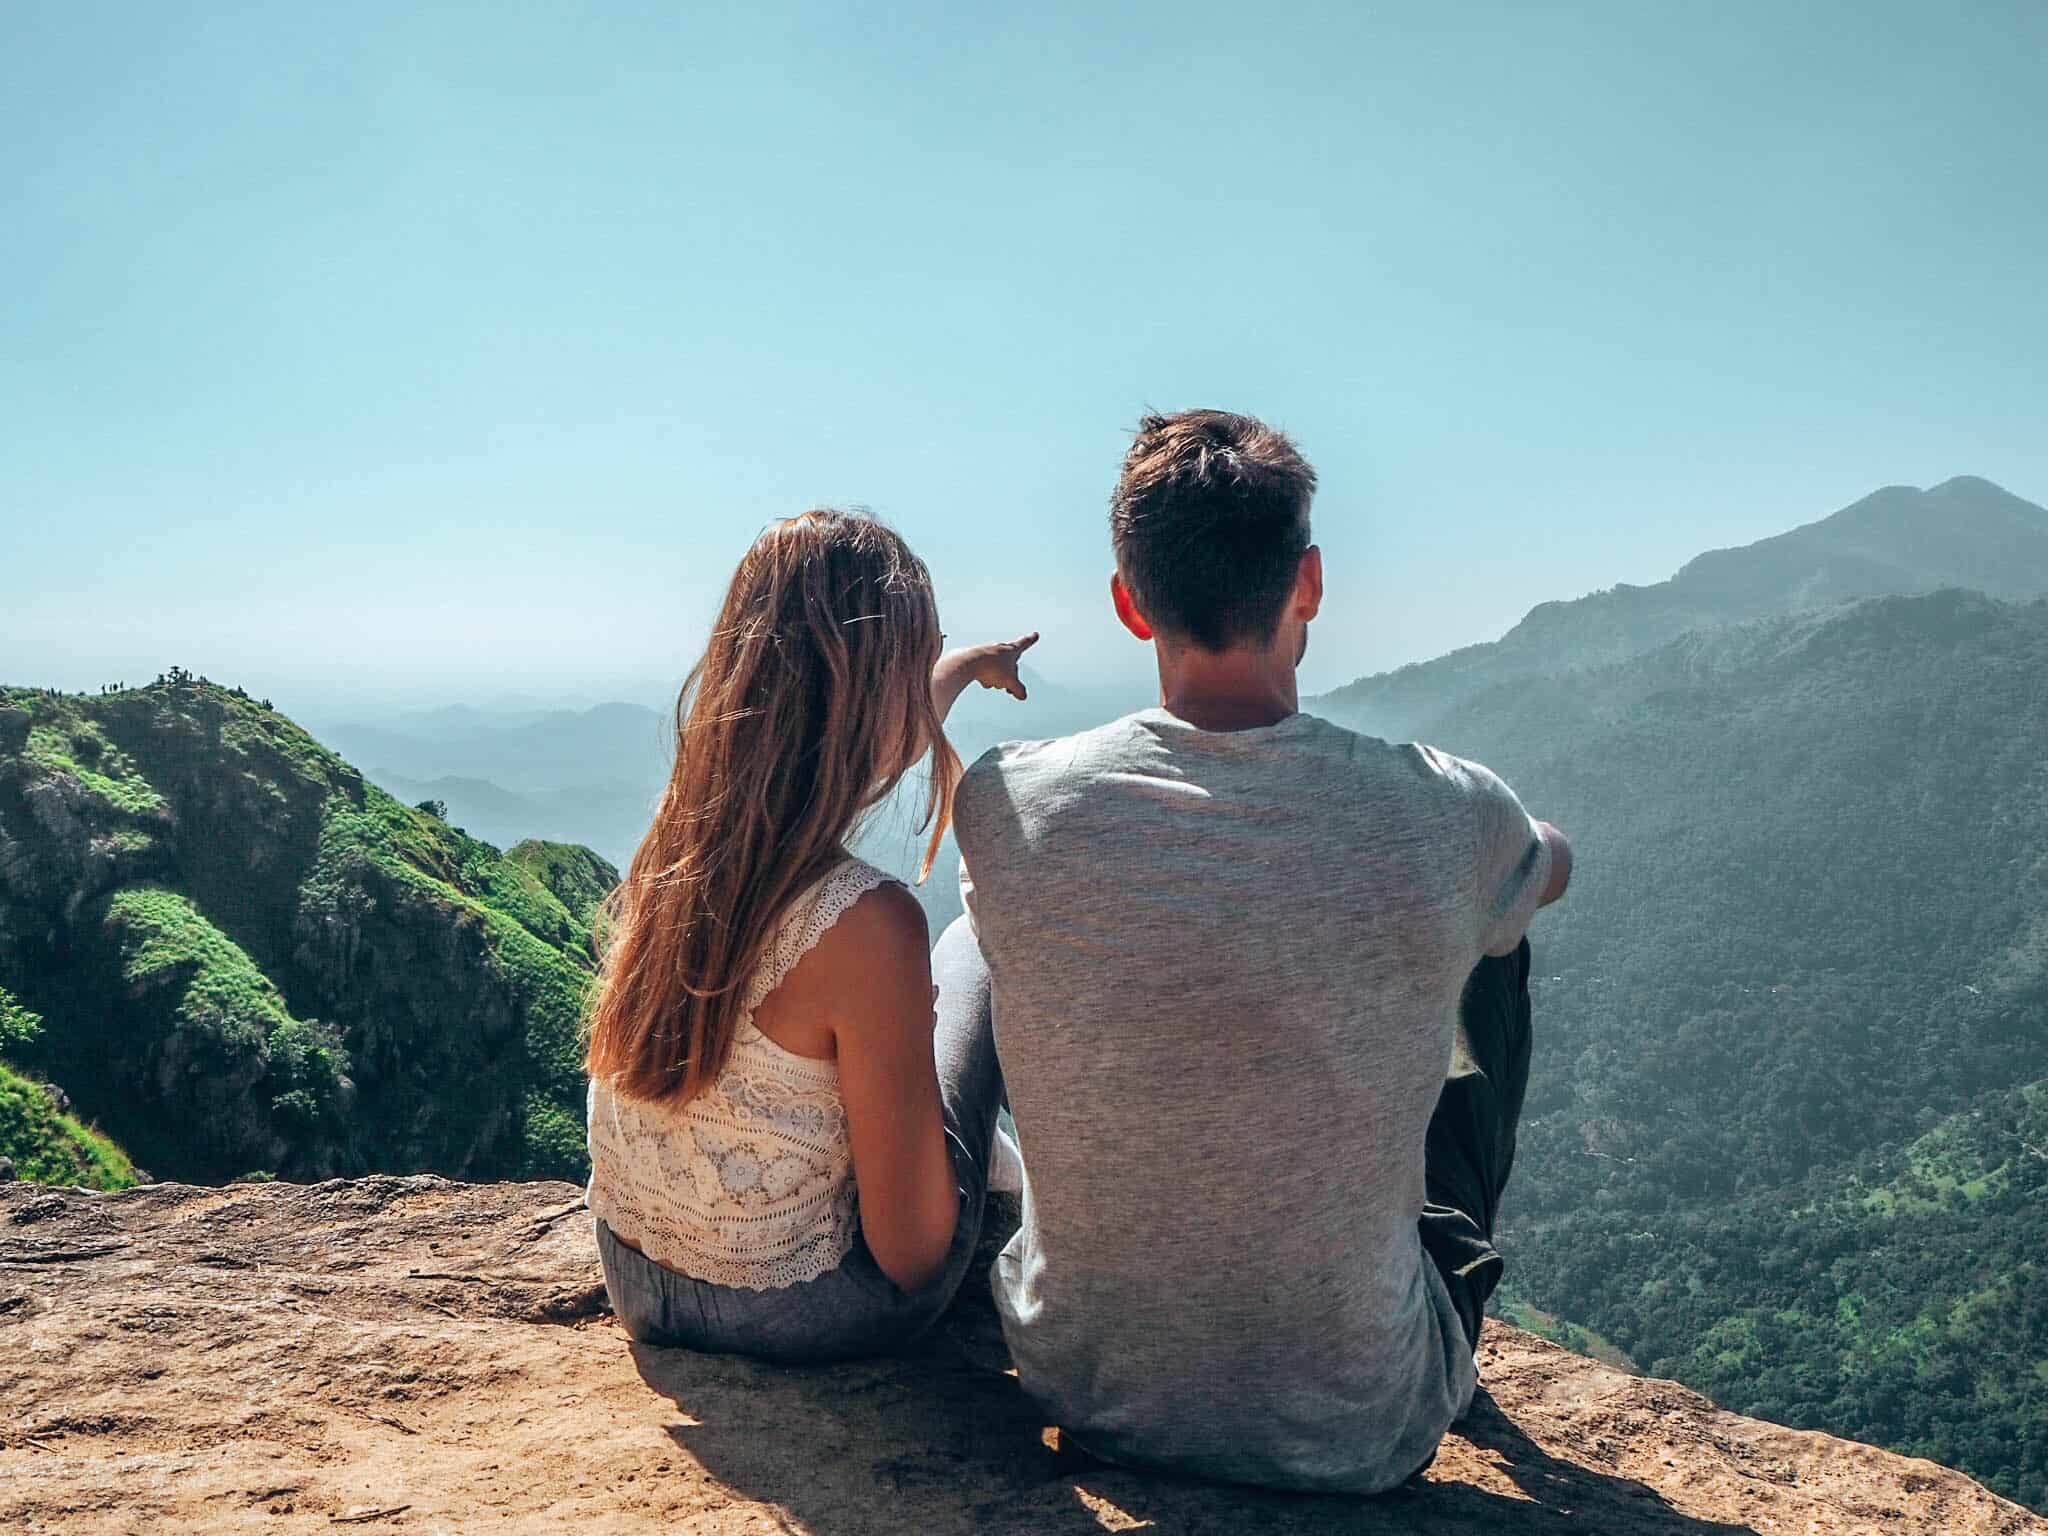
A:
413, 1354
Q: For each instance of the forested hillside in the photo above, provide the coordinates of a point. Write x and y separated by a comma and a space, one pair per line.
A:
1903, 1293
241, 957
1776, 1142
1965, 532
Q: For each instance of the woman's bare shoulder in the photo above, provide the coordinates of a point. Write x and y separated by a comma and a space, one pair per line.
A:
881, 938
885, 924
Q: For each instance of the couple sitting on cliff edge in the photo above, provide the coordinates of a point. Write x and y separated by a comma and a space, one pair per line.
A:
1253, 987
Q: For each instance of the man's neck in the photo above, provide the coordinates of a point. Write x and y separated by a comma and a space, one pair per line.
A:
1234, 690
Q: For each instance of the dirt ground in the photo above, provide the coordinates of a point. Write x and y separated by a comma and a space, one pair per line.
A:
414, 1355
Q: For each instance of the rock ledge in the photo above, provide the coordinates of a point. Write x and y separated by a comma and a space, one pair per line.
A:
417, 1355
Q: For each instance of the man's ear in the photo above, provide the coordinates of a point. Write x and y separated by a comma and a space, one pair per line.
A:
1308, 585
1127, 607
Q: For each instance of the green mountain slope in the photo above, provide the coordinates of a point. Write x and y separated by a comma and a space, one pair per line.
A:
579, 879
38, 1139
619, 746
1809, 929
1965, 532
247, 958
47, 1146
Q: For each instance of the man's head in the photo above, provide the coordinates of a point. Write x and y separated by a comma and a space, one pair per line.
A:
1211, 528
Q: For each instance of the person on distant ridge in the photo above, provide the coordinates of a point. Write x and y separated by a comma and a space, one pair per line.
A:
1260, 992
786, 1160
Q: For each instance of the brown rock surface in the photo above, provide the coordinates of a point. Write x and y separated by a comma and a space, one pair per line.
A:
409, 1354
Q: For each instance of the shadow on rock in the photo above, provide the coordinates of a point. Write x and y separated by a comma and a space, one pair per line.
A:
945, 1440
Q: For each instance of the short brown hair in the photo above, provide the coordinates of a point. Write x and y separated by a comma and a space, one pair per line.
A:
1210, 521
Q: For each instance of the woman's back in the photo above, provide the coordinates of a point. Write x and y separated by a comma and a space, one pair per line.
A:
738, 1088
750, 1182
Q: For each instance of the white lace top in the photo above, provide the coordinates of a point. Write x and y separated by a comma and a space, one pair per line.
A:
751, 1182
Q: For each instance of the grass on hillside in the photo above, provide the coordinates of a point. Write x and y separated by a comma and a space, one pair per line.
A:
48, 1147
70, 744
163, 938
224, 998
1547, 1325
530, 933
579, 879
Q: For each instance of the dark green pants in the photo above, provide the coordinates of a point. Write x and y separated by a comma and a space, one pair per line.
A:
1471, 1146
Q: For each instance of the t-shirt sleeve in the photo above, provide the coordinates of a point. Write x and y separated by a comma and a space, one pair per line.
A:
967, 897
969, 822
1513, 859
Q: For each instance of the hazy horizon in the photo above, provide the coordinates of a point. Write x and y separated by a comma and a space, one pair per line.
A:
1128, 685
425, 358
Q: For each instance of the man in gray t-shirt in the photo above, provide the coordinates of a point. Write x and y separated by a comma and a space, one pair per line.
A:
1260, 990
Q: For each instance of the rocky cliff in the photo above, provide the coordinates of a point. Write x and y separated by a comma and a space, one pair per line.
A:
410, 1354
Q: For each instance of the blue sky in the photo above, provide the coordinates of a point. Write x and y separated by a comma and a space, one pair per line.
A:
459, 349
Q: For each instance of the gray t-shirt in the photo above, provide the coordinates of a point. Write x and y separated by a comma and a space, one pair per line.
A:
1227, 969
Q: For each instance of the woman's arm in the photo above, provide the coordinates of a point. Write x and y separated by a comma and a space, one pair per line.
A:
883, 1039
992, 666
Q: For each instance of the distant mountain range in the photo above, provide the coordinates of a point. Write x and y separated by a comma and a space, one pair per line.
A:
1964, 532
593, 776
622, 747
610, 819
587, 776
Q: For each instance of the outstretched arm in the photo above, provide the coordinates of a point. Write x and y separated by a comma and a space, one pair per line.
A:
992, 666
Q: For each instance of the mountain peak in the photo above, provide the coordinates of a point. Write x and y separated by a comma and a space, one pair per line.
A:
1965, 532
1974, 484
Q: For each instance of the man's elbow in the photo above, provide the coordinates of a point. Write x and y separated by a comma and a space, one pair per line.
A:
1560, 863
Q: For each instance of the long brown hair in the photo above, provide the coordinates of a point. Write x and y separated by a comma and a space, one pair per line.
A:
810, 704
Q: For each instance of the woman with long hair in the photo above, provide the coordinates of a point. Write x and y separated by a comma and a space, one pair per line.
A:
788, 1155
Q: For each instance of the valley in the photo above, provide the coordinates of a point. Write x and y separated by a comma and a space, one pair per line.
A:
1787, 1131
